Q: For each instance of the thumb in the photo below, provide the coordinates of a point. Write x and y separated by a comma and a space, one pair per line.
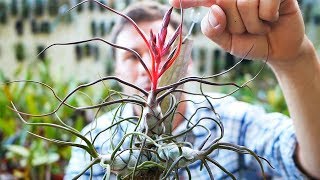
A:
213, 25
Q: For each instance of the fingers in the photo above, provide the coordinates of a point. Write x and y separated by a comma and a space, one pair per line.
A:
234, 21
269, 10
242, 15
249, 11
191, 3
214, 25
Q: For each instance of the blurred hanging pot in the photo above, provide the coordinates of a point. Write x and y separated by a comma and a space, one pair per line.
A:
34, 26
92, 5
79, 52
103, 29
20, 52
39, 8
46, 27
19, 27
26, 9
53, 7
41, 56
94, 28
14, 8
3, 13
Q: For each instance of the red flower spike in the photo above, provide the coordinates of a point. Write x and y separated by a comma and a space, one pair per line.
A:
165, 23
170, 42
170, 59
159, 49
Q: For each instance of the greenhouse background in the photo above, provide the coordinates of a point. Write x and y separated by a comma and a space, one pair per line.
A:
28, 26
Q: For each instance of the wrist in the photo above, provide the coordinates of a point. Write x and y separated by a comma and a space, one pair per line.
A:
304, 59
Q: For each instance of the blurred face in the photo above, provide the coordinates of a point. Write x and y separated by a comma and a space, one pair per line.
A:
128, 67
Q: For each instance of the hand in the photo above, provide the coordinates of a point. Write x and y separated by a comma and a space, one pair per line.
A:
239, 25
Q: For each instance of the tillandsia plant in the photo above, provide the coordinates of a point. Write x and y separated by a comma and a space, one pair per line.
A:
153, 149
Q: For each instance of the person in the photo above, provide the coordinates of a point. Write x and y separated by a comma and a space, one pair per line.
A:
276, 29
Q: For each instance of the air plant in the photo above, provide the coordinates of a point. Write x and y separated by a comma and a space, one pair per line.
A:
153, 148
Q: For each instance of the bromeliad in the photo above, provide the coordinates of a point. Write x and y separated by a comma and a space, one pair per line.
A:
153, 148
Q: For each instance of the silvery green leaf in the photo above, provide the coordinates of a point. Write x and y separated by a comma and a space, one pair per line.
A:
20, 150
45, 159
177, 71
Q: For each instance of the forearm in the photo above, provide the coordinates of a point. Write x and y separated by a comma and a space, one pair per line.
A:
300, 82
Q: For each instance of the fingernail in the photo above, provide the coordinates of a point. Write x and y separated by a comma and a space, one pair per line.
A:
212, 19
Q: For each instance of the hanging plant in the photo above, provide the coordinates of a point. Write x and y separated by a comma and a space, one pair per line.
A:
109, 67
3, 13
230, 61
19, 27
94, 28
88, 49
101, 7
34, 26
42, 55
111, 24
20, 52
45, 27
202, 58
80, 7
91, 5
316, 20
79, 52
39, 7
26, 9
103, 29
216, 61
14, 7
53, 7
96, 54
3, 17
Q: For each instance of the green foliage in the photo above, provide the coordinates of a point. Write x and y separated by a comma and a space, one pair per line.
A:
28, 152
263, 91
